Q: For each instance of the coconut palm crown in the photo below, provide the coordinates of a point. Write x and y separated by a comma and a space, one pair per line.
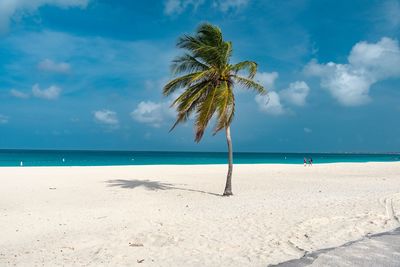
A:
208, 79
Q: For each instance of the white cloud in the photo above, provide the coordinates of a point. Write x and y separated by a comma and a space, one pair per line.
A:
51, 93
350, 87
176, 7
3, 119
368, 63
107, 117
270, 103
307, 130
296, 93
51, 66
267, 79
92, 58
9, 9
226, 5
153, 114
381, 59
18, 94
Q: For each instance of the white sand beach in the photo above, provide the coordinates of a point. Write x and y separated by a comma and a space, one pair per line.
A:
172, 215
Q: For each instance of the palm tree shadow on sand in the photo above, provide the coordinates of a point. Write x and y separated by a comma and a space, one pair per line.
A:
152, 185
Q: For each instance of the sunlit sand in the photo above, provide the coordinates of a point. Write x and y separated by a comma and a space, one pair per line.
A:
175, 216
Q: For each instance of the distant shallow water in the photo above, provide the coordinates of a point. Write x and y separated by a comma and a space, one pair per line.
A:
112, 158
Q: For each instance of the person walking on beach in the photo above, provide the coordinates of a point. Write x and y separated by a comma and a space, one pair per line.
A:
305, 161
310, 161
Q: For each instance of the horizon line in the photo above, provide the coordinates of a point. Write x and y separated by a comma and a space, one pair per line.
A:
188, 151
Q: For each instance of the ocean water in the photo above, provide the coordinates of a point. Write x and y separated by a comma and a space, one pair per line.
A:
109, 158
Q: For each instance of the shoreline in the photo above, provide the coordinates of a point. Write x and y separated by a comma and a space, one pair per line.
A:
126, 158
203, 164
174, 215
205, 152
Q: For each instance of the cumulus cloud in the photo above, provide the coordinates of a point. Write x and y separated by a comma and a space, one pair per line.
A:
267, 79
152, 113
18, 94
296, 93
270, 103
51, 66
51, 93
176, 7
381, 59
3, 119
11, 8
368, 63
107, 117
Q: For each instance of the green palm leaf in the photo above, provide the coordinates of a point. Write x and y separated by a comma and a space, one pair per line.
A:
250, 66
208, 79
249, 84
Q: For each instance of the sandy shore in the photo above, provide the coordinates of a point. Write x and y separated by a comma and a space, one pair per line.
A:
172, 215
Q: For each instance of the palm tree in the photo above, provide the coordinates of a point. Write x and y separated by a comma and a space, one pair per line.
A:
208, 80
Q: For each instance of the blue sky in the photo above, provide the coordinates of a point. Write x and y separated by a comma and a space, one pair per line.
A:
88, 74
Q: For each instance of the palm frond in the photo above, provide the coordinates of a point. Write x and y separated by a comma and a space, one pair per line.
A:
207, 44
205, 111
209, 34
185, 81
224, 107
249, 84
185, 115
208, 80
184, 101
227, 53
187, 101
187, 63
249, 66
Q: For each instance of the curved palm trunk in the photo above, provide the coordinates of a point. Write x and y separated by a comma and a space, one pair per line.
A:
228, 186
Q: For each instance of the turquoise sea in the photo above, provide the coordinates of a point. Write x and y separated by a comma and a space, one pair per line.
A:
109, 158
